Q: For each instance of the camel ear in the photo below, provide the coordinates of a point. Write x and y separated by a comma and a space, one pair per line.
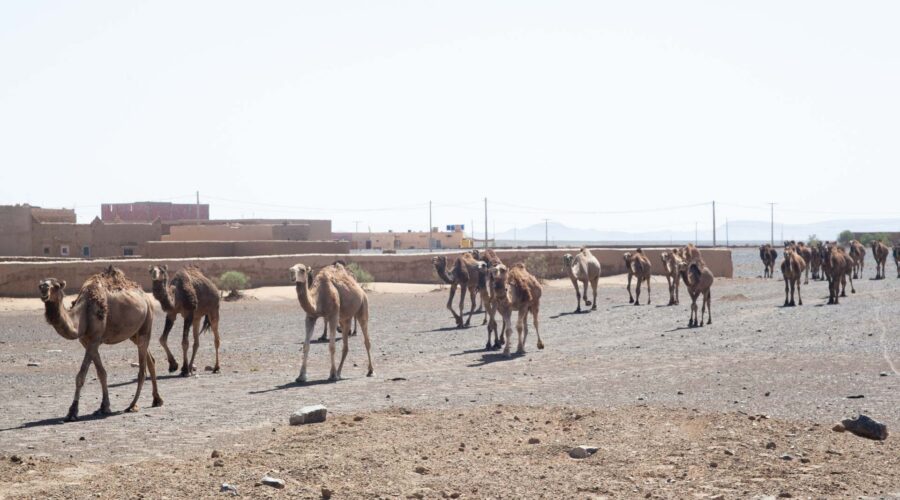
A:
62, 285
165, 267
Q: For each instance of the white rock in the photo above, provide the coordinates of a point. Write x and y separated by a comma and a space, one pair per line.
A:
272, 481
227, 488
582, 451
309, 415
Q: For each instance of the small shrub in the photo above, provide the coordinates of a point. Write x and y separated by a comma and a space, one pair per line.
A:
538, 266
363, 277
233, 282
845, 236
813, 241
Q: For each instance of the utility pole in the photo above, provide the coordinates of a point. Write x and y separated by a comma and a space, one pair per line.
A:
485, 224
546, 233
515, 237
430, 229
772, 221
727, 240
198, 205
696, 238
356, 226
714, 222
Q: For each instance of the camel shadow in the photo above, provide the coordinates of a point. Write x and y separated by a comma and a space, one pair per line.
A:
494, 357
678, 329
61, 420
571, 313
449, 329
475, 351
294, 385
147, 379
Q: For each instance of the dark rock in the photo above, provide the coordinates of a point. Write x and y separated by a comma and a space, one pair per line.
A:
866, 427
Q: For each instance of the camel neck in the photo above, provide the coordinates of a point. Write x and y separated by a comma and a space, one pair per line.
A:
442, 273
162, 293
306, 298
60, 320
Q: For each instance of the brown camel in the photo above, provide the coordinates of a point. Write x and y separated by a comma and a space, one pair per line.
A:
324, 336
837, 266
806, 253
638, 265
690, 253
768, 255
471, 275
880, 253
897, 258
517, 290
672, 262
335, 296
195, 297
109, 309
815, 261
792, 268
858, 255
490, 258
583, 267
698, 280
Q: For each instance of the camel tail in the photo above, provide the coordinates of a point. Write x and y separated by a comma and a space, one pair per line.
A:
206, 324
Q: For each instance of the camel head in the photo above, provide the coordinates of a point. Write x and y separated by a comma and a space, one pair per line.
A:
52, 290
498, 277
439, 261
567, 259
159, 273
627, 258
300, 274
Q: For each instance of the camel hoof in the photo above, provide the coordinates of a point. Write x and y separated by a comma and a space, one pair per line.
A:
132, 409
71, 418
630, 300
540, 345
709, 322
157, 402
334, 378
173, 367
520, 351
506, 353
301, 379
371, 373
594, 307
637, 303
587, 302
851, 291
185, 373
103, 411
577, 311
216, 369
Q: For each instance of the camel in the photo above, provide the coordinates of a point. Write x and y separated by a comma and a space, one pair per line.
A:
109, 309
690, 253
517, 289
324, 336
335, 296
583, 267
768, 255
792, 268
638, 265
698, 280
468, 273
195, 297
490, 258
880, 253
897, 258
858, 255
806, 253
815, 261
837, 266
672, 261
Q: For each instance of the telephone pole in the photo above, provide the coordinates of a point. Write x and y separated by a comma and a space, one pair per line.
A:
356, 226
772, 222
546, 233
714, 222
430, 229
696, 238
727, 240
198, 205
485, 224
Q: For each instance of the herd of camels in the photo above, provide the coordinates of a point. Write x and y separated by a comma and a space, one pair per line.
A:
110, 308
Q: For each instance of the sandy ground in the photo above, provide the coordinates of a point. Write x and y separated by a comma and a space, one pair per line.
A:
663, 403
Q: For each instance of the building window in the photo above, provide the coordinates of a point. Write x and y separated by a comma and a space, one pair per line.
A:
86, 251
128, 251
46, 250
64, 250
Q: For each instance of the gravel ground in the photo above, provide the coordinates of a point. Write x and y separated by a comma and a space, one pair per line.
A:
629, 366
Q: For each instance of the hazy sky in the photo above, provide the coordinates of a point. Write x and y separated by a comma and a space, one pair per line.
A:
342, 109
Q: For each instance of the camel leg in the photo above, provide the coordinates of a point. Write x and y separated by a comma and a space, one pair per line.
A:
807, 277
520, 329
186, 367
492, 325
628, 287
163, 340
214, 324
535, 309
677, 286
795, 282
702, 311
707, 300
101, 376
196, 340
577, 295
584, 294
456, 317
637, 291
324, 337
799, 297
345, 337
594, 289
648, 290
364, 324
79, 382
786, 287
142, 372
485, 305
462, 305
332, 336
472, 299
310, 327
507, 331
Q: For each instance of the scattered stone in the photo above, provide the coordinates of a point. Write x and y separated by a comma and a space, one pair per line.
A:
34, 364
272, 481
729, 453
866, 427
534, 440
582, 451
786, 457
207, 368
227, 488
219, 463
857, 396
785, 494
81, 438
309, 415
767, 393
135, 365
838, 428
718, 497
770, 445
215, 454
713, 465
16, 459
405, 411
358, 418
421, 470
680, 393
397, 379
326, 493
804, 460
883, 374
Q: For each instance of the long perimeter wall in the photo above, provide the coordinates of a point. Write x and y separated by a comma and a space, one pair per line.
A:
20, 279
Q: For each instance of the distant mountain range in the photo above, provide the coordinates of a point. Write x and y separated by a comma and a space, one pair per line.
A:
738, 232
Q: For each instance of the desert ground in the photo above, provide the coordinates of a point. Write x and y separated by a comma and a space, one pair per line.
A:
741, 408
